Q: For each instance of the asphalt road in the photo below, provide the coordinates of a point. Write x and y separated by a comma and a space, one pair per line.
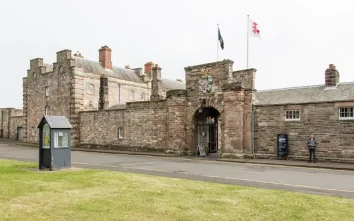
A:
307, 180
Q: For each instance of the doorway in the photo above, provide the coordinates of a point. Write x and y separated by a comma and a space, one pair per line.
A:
206, 130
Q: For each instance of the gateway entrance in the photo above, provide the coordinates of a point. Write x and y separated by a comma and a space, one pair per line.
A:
206, 130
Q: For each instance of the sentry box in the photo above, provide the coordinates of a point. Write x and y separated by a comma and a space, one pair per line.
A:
54, 142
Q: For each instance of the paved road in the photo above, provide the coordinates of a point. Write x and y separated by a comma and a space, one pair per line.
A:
315, 181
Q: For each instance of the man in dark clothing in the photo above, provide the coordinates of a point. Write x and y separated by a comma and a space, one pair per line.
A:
312, 144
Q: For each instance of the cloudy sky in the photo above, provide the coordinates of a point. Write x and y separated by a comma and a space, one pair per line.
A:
299, 38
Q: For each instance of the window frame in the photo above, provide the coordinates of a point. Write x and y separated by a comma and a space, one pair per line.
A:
46, 91
56, 139
347, 112
87, 89
120, 133
292, 113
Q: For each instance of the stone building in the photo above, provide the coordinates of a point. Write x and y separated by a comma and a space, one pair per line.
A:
217, 110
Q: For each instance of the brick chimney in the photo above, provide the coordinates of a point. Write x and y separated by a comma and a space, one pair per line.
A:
105, 57
148, 67
331, 76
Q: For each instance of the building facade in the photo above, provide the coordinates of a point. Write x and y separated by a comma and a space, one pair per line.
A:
217, 111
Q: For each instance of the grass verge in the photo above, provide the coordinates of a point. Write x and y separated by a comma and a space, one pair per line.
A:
82, 194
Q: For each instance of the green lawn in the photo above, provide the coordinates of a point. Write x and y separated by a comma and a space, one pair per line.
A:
78, 194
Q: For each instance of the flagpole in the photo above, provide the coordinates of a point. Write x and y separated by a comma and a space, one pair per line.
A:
248, 34
217, 44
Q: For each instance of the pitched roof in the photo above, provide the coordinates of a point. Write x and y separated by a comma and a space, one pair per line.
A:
309, 94
172, 85
96, 68
121, 73
56, 122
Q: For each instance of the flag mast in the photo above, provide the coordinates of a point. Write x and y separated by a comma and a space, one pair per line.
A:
248, 34
217, 45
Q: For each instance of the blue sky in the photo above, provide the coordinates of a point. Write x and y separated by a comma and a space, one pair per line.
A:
299, 38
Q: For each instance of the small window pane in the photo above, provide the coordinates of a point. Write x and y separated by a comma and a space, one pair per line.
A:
61, 139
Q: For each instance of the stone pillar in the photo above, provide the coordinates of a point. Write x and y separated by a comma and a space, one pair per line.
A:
156, 84
103, 102
176, 120
331, 76
233, 121
24, 97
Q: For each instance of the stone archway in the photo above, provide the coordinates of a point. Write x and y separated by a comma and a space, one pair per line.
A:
206, 133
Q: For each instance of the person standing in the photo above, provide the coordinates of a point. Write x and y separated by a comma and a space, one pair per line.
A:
312, 144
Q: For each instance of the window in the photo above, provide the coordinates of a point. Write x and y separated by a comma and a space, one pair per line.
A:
34, 75
46, 111
47, 91
46, 137
346, 113
90, 88
292, 115
131, 95
143, 96
120, 133
61, 139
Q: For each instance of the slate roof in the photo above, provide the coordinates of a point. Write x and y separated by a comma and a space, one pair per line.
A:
309, 94
172, 85
121, 73
96, 68
56, 122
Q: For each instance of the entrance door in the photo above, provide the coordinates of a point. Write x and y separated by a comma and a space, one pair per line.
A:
206, 126
19, 133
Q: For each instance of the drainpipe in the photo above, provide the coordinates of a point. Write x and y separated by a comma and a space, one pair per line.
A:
119, 93
252, 133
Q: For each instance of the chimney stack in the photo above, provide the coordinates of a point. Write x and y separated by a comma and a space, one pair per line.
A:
148, 67
105, 57
331, 76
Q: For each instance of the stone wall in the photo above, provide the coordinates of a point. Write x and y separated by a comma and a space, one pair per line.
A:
10, 119
144, 127
335, 136
15, 122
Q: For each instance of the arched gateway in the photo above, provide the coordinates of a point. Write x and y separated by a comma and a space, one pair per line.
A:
206, 121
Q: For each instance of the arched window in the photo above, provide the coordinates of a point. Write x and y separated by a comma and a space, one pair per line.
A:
46, 111
34, 76
90, 88
143, 96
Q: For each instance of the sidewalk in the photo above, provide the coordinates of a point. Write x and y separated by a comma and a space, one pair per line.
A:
290, 163
294, 163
